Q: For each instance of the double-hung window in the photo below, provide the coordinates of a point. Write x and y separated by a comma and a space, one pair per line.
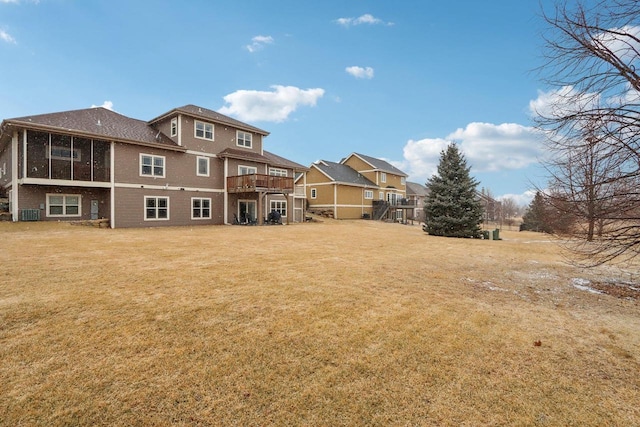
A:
279, 206
243, 139
174, 126
368, 194
203, 130
383, 177
200, 208
156, 208
152, 165
202, 166
62, 205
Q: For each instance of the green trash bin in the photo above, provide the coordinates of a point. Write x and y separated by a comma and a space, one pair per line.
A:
485, 234
496, 234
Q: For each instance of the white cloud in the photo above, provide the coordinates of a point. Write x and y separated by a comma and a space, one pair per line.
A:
562, 102
487, 148
490, 148
106, 104
364, 19
522, 200
622, 42
360, 72
274, 106
258, 43
6, 37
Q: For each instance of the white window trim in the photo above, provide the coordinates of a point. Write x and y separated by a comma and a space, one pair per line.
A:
174, 126
201, 217
383, 177
314, 193
195, 130
283, 205
157, 197
238, 132
368, 194
278, 172
64, 205
253, 168
198, 166
381, 195
403, 180
153, 157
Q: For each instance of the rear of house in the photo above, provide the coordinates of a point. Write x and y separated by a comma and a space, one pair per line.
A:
360, 186
173, 170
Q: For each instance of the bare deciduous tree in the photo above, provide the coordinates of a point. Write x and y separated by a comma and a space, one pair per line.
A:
509, 210
591, 120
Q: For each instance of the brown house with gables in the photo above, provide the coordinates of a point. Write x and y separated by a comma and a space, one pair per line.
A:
188, 166
360, 186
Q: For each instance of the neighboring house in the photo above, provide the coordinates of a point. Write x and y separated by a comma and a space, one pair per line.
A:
492, 208
358, 187
416, 194
188, 166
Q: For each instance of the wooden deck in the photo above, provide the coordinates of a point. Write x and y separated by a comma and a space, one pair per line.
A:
258, 183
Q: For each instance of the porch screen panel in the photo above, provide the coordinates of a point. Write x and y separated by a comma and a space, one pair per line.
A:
101, 161
61, 156
82, 165
37, 154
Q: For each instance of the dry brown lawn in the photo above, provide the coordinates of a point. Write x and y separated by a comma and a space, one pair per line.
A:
336, 323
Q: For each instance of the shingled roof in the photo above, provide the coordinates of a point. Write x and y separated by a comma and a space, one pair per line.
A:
342, 173
417, 189
275, 160
379, 164
211, 116
96, 123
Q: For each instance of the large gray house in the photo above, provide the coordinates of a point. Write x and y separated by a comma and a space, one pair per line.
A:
188, 166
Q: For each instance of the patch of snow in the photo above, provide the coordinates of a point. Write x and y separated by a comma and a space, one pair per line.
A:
583, 285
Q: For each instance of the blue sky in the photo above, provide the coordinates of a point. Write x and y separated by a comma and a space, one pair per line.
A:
394, 80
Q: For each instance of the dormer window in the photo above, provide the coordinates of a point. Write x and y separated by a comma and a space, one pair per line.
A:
243, 139
203, 130
174, 126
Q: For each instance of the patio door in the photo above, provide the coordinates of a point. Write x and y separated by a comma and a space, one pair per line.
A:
247, 211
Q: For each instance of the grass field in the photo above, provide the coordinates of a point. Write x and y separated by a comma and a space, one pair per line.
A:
336, 323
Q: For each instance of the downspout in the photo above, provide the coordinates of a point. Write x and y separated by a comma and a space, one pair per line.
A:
14, 176
112, 202
226, 194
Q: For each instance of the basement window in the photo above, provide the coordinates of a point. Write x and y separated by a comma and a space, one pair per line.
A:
64, 205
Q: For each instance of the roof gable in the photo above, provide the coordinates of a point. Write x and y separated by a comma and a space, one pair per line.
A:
209, 115
377, 164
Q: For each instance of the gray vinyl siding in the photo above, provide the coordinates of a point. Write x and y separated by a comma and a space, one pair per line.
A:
130, 208
35, 197
224, 136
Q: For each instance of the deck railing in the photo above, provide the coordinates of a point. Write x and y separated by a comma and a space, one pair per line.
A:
259, 182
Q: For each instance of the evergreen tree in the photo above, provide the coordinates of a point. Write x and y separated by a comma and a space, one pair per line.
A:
542, 217
452, 208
